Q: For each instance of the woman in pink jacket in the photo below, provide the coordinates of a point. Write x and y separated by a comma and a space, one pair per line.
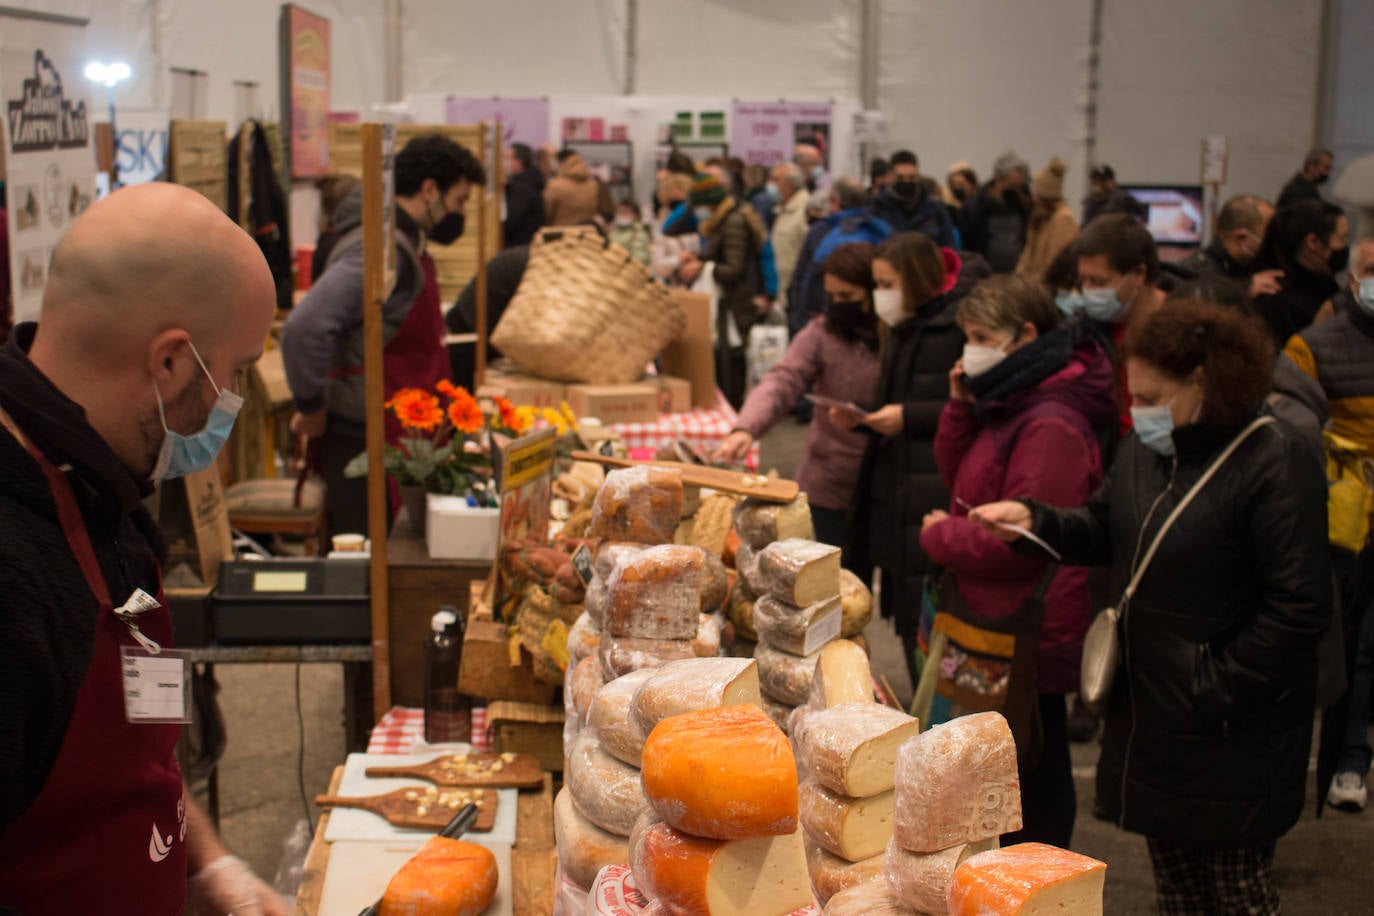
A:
1028, 402
835, 355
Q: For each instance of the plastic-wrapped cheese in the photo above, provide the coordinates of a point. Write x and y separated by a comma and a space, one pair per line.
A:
725, 773
608, 553
656, 593
780, 713
641, 504
693, 876
741, 607
584, 637
761, 523
584, 684
957, 783
842, 676
620, 655
613, 892
706, 644
606, 790
922, 880
597, 602
799, 572
857, 603
852, 749
800, 631
747, 564
690, 685
830, 874
610, 717
1030, 879
872, 899
851, 828
785, 677
583, 848
715, 582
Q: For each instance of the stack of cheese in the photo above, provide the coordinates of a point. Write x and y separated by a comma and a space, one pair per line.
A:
603, 797
722, 837
758, 524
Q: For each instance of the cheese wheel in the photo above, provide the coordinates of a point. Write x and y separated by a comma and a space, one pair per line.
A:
851, 828
830, 874
842, 676
583, 685
871, 899
857, 604
609, 552
741, 609
922, 880
605, 790
747, 564
640, 504
957, 783
852, 749
706, 644
692, 876
725, 773
610, 717
761, 523
1029, 879
620, 655
445, 878
714, 583
656, 593
785, 677
690, 685
597, 601
583, 848
780, 713
584, 637
800, 631
799, 572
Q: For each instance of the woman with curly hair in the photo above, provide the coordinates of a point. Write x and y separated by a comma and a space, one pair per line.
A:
1209, 725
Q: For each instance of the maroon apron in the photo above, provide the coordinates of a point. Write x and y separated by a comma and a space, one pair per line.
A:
415, 357
107, 832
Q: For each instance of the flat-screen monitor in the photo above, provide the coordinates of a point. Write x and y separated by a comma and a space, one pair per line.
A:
1173, 213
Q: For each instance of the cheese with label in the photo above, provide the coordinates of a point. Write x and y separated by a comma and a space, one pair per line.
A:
783, 676
609, 716
830, 874
857, 603
799, 572
614, 892
656, 593
584, 684
583, 848
620, 655
693, 684
583, 640
852, 749
640, 504
1030, 879
842, 676
761, 523
607, 791
694, 876
851, 828
957, 783
800, 631
872, 899
725, 773
741, 608
922, 880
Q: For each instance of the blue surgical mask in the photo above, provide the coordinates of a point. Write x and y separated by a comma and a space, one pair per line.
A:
1104, 305
181, 455
1365, 297
703, 214
1070, 301
818, 173
1155, 427
773, 191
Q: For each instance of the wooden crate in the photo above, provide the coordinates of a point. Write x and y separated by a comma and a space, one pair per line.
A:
527, 728
198, 157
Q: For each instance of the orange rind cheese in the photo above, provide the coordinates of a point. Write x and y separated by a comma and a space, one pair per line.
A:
1030, 879
445, 878
692, 876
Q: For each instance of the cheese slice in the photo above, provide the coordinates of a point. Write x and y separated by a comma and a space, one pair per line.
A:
656, 593
852, 749
830, 874
620, 655
607, 791
872, 899
842, 676
783, 676
583, 639
799, 572
1030, 879
583, 685
857, 602
726, 773
851, 828
766, 876
693, 684
922, 880
761, 523
800, 631
583, 848
610, 717
957, 783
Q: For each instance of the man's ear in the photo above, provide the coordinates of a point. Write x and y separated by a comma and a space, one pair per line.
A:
166, 356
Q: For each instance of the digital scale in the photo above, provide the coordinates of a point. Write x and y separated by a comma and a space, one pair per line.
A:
310, 600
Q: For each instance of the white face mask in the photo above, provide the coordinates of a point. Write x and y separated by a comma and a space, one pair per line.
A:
888, 304
979, 359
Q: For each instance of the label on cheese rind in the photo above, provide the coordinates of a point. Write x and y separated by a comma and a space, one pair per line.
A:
800, 631
614, 893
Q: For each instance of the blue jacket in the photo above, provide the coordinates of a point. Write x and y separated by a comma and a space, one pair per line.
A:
806, 295
923, 214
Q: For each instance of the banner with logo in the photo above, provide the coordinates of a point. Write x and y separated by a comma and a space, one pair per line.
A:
767, 133
522, 120
141, 147
46, 137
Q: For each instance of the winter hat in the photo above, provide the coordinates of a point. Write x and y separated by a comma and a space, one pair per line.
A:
1049, 184
706, 190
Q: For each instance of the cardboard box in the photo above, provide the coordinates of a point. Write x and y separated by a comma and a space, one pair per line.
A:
506, 381
674, 394
611, 404
486, 671
456, 531
526, 728
691, 356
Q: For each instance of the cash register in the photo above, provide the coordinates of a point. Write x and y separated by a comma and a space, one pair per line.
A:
319, 600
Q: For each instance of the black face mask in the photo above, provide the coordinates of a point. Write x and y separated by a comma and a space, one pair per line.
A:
904, 189
848, 320
1340, 257
448, 230
1320, 179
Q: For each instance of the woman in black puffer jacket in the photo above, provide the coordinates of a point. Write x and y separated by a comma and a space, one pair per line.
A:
1209, 728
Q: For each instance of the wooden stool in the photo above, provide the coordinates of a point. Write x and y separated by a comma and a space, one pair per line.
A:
268, 506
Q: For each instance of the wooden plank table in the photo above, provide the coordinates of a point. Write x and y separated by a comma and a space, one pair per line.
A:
534, 857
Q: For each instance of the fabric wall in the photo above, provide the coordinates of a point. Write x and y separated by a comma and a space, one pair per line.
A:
1351, 108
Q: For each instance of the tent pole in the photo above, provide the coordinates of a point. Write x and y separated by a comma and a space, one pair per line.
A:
631, 44
868, 54
394, 84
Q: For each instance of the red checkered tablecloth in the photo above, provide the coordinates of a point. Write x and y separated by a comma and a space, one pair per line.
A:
402, 726
702, 429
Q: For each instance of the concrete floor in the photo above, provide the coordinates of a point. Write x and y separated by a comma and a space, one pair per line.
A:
1322, 867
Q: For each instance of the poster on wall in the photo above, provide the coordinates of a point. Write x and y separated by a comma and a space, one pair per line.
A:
305, 89
767, 133
46, 137
141, 147
522, 120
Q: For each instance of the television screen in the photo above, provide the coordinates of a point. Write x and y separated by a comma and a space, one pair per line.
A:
1173, 213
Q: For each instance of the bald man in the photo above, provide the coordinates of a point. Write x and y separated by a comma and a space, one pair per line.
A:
155, 301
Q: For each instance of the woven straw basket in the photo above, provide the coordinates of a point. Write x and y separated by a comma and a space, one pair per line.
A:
586, 311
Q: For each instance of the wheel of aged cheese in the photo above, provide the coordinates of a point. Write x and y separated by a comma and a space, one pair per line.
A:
830, 874
799, 631
726, 773
609, 716
584, 638
583, 848
851, 828
715, 582
620, 655
799, 572
765, 876
1028, 879
842, 676
656, 593
584, 684
857, 602
785, 677
690, 685
609, 552
852, 749
706, 644
761, 523
605, 790
871, 899
445, 878
641, 504
923, 880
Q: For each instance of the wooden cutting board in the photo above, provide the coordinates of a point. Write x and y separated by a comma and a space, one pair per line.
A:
492, 771
771, 490
403, 807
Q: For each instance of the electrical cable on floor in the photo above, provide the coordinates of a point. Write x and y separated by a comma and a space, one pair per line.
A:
300, 749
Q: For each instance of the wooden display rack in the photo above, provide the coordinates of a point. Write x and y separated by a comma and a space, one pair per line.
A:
198, 157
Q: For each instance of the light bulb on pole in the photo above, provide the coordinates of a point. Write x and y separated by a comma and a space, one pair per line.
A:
110, 75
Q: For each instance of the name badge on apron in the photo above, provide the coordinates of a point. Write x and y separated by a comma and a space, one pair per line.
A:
157, 681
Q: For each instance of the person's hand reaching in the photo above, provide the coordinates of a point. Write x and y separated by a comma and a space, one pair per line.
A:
735, 447
227, 885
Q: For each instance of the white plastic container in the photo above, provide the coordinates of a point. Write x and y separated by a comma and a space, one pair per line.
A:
456, 531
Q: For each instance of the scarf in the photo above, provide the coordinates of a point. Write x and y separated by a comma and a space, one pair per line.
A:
1022, 370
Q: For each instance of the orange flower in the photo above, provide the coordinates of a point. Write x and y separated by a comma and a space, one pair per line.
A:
506, 411
416, 409
447, 387
464, 413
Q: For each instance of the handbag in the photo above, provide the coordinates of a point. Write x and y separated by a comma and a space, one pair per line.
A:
1102, 644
